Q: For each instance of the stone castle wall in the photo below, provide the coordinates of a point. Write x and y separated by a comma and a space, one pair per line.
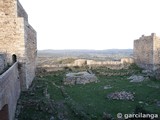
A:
81, 62
147, 51
156, 52
21, 12
18, 38
11, 37
7, 8
2, 62
19, 48
9, 90
31, 53
143, 51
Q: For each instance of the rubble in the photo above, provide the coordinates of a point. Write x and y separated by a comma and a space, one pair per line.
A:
107, 87
136, 78
79, 78
123, 95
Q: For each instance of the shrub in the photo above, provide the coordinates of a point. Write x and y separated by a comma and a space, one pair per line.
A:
135, 67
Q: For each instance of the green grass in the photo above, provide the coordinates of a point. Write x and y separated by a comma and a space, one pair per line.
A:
81, 102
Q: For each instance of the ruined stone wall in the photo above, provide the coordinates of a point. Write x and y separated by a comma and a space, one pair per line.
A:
156, 52
143, 51
108, 64
123, 63
2, 62
102, 63
17, 37
127, 60
10, 89
11, 37
21, 12
30, 39
11, 30
12, 8
7, 8
31, 53
18, 43
80, 62
12, 40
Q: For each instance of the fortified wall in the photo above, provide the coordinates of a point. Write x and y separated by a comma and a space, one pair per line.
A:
3, 63
18, 40
18, 49
147, 52
122, 62
9, 92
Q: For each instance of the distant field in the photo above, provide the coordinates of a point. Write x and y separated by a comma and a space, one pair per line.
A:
110, 54
59, 57
49, 99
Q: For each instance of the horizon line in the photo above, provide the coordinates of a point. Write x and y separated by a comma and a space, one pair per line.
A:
90, 49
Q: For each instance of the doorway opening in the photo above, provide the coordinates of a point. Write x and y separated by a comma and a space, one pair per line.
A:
14, 58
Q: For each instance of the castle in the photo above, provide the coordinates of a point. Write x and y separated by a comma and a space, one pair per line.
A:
18, 53
18, 50
147, 52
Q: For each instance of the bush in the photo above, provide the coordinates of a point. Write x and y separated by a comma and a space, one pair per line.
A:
135, 67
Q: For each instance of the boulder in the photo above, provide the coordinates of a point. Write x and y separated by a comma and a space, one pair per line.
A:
136, 78
79, 78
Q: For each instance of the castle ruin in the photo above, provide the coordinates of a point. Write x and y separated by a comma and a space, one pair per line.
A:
147, 52
18, 50
18, 39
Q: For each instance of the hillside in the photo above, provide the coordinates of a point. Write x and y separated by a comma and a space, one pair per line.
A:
109, 54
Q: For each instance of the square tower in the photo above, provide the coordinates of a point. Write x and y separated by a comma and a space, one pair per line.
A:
147, 52
18, 40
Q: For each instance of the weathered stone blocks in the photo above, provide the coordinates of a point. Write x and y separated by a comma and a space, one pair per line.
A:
2, 62
18, 44
79, 78
10, 89
147, 53
17, 37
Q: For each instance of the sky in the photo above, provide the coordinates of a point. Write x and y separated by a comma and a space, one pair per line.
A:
92, 24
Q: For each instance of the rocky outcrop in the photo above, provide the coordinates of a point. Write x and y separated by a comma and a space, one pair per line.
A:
79, 78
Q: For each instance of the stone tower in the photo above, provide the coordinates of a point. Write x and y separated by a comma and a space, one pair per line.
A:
18, 40
147, 52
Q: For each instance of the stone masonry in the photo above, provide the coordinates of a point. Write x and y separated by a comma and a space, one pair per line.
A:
147, 52
2, 62
9, 92
18, 49
18, 39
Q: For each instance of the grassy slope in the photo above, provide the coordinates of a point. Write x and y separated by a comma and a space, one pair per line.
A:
85, 101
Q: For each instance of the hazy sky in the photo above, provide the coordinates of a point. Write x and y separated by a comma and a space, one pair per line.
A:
92, 24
